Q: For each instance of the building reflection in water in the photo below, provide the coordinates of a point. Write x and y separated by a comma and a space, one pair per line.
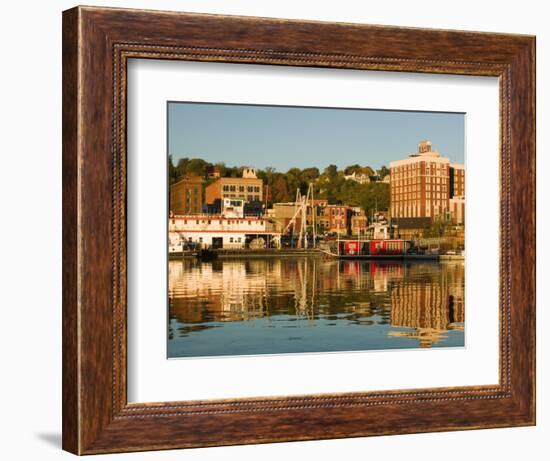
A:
418, 301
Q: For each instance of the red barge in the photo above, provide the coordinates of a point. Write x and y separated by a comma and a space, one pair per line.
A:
370, 249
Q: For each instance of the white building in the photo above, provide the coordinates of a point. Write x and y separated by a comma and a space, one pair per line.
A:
220, 231
233, 207
360, 178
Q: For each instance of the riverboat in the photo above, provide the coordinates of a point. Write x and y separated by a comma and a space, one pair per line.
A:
369, 249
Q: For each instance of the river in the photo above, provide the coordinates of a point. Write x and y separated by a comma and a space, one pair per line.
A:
279, 305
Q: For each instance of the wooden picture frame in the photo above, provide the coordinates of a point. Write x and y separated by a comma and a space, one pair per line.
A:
97, 43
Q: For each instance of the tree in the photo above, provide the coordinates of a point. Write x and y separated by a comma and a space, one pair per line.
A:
197, 167
331, 171
349, 170
280, 191
310, 174
374, 196
221, 168
172, 171
383, 172
437, 229
294, 179
368, 171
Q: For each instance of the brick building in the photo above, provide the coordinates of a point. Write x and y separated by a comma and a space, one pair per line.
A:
337, 219
249, 188
359, 224
457, 194
422, 185
457, 177
186, 196
328, 218
283, 213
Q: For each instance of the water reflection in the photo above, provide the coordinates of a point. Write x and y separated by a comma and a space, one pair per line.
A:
310, 304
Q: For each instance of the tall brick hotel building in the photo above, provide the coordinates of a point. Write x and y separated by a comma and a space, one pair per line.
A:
426, 186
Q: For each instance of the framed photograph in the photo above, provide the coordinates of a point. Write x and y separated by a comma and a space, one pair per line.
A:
282, 230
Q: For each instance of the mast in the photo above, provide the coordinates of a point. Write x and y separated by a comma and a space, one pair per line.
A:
313, 214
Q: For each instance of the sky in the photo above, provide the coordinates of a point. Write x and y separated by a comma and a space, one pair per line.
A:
285, 137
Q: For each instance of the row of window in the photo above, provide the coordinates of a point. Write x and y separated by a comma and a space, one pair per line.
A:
215, 221
416, 166
396, 193
233, 188
249, 198
417, 180
231, 239
405, 197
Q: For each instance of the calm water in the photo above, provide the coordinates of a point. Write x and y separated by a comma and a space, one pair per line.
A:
310, 304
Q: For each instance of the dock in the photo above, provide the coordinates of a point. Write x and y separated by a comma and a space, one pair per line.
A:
249, 253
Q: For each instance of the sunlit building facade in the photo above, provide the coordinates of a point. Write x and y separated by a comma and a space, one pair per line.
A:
425, 187
186, 196
419, 184
249, 188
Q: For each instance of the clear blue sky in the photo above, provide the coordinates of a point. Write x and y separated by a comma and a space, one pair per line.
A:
285, 137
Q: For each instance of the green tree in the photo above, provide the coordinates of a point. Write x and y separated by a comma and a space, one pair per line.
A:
368, 171
197, 167
280, 190
172, 171
383, 171
294, 180
310, 174
353, 169
437, 229
374, 196
331, 171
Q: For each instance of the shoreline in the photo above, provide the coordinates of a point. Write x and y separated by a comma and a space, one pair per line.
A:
289, 252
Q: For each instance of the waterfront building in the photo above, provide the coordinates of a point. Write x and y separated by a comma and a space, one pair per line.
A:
457, 180
249, 188
419, 185
457, 208
227, 230
337, 219
359, 224
186, 196
457, 194
283, 213
421, 189
233, 207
